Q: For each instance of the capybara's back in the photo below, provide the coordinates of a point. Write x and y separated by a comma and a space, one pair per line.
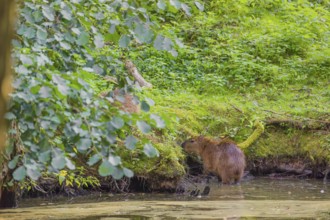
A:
223, 158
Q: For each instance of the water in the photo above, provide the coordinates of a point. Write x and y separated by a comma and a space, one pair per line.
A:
259, 198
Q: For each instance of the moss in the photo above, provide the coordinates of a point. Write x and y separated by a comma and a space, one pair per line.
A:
254, 136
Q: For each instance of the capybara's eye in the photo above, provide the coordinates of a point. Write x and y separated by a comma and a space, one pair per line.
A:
192, 141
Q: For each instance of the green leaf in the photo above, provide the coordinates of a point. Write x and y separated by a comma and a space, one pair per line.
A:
12, 164
144, 106
33, 173
158, 43
160, 123
61, 84
30, 33
83, 39
66, 11
10, 116
58, 162
106, 169
176, 3
199, 6
143, 126
117, 122
20, 173
84, 144
130, 142
99, 41
150, 151
41, 34
61, 178
45, 92
70, 164
124, 41
150, 101
167, 44
174, 53
143, 33
129, 173
186, 9
117, 173
161, 4
94, 159
26, 60
65, 45
114, 160
37, 15
48, 12
44, 157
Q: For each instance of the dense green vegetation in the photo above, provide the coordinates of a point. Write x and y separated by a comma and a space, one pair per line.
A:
215, 69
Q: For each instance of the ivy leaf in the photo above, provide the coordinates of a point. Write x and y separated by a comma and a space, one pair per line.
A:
44, 157
70, 164
161, 4
48, 12
94, 159
143, 33
127, 172
12, 164
186, 9
158, 43
20, 173
160, 123
45, 92
99, 41
65, 45
150, 101
124, 41
58, 162
30, 33
117, 173
66, 11
106, 169
143, 126
144, 106
33, 173
41, 34
114, 160
199, 6
174, 53
84, 144
117, 122
26, 60
130, 142
83, 39
10, 116
61, 84
176, 3
150, 151
167, 44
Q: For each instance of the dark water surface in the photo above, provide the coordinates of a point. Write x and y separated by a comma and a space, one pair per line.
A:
259, 198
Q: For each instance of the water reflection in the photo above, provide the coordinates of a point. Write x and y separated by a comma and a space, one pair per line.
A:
259, 198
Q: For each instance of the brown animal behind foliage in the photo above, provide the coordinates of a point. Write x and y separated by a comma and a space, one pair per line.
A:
222, 158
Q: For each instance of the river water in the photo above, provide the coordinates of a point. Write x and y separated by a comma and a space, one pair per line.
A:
258, 198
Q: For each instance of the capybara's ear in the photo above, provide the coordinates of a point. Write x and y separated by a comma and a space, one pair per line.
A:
200, 137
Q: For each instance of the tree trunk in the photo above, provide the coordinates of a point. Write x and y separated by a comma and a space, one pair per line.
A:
7, 20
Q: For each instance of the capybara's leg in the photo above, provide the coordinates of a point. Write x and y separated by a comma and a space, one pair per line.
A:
225, 178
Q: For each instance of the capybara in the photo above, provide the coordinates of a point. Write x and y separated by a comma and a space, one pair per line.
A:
222, 158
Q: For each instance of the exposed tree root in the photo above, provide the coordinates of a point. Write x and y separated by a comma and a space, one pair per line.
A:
309, 124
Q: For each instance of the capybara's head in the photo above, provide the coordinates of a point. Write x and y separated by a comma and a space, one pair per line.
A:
193, 145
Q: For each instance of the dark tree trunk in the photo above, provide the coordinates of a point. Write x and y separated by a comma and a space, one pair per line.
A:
7, 20
8, 198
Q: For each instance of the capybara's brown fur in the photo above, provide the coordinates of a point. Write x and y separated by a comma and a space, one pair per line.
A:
222, 158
